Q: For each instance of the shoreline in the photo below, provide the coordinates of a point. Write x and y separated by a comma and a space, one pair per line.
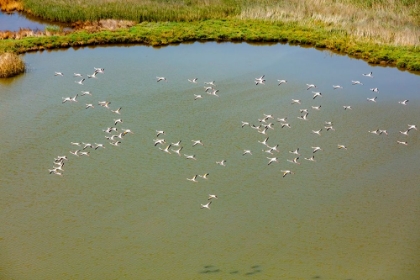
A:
230, 30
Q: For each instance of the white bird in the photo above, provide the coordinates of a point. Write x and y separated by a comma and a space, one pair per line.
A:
97, 146
271, 160
65, 99
212, 83
303, 110
316, 93
264, 142
214, 92
383, 131
193, 179
80, 82
118, 111
77, 75
337, 87
260, 80
211, 196
404, 132
296, 152
328, 128
274, 148
159, 132
373, 99
308, 86
285, 172
282, 119
316, 107
197, 96
58, 74
116, 143
263, 131
197, 142
412, 126
53, 171
295, 101
204, 176
86, 93
347, 107
76, 153
285, 125
304, 117
190, 157
176, 144
93, 75
99, 70
312, 158
84, 153
178, 152
282, 82
403, 102
402, 142
166, 150
206, 89
117, 121
356, 83
247, 152
370, 75
374, 89
222, 162
244, 123
109, 129
89, 106
206, 205
317, 132
158, 79
194, 81
75, 143
295, 160
104, 104
315, 149
74, 98
87, 145
339, 146
126, 130
374, 131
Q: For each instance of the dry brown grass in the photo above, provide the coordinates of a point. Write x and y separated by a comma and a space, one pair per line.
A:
11, 65
386, 22
11, 5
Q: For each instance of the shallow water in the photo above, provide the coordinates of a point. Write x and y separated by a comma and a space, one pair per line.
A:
129, 212
16, 21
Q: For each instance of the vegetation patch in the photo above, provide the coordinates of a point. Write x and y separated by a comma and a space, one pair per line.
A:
11, 65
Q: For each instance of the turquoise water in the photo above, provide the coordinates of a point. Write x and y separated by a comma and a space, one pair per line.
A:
129, 212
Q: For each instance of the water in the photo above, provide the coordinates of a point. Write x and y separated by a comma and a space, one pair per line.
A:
129, 212
15, 21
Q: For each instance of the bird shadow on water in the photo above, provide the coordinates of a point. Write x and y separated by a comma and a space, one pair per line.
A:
210, 269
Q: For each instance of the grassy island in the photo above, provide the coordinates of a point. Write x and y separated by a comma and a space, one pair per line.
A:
383, 32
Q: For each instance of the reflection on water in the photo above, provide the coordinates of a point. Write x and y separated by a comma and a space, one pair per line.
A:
129, 212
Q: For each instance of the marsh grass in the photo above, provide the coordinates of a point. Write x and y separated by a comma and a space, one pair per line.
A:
394, 22
10, 65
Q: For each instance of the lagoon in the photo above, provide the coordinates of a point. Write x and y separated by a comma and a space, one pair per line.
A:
128, 212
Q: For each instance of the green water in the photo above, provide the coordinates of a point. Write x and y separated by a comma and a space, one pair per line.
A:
129, 212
